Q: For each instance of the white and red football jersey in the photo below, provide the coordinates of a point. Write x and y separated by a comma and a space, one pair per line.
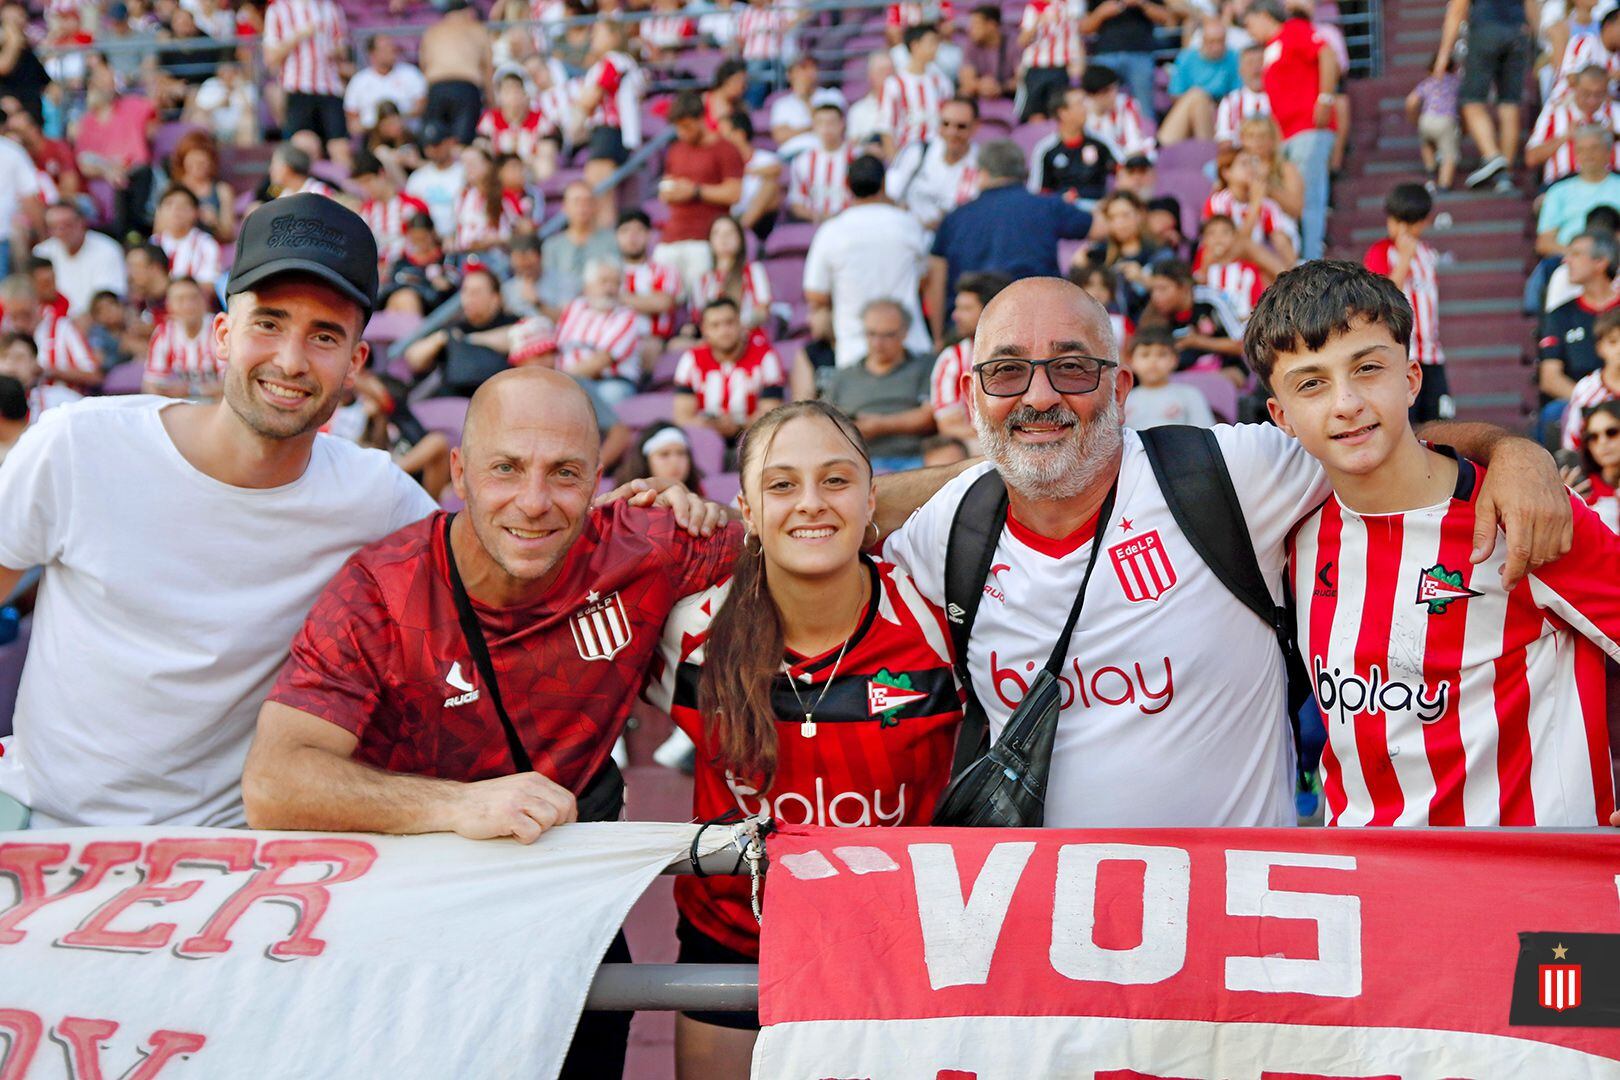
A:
1422, 289
521, 138
388, 221
194, 255
474, 230
312, 186
1590, 391
1583, 50
1236, 107
904, 15
174, 355
762, 30
1173, 691
922, 181
755, 304
1122, 326
585, 330
1560, 118
818, 184
671, 31
1057, 33
879, 754
646, 278
312, 65
945, 386
49, 193
910, 105
61, 346
1270, 221
733, 389
1121, 129
1241, 281
622, 82
1447, 699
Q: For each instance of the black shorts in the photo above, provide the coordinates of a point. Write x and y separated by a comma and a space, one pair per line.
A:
320, 113
1498, 56
606, 144
699, 948
1036, 93
1434, 397
456, 106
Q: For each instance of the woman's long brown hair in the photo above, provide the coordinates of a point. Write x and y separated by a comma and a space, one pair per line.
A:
744, 652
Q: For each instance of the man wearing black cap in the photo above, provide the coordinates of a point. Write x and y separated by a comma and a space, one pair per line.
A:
185, 543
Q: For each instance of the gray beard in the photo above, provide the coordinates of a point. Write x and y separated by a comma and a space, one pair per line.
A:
1057, 470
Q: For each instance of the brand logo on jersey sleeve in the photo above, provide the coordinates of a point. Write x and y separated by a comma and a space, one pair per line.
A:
601, 628
1143, 567
457, 681
887, 694
1439, 588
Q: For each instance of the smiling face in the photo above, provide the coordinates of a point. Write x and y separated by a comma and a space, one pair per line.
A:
670, 463
1347, 401
809, 498
1601, 436
291, 348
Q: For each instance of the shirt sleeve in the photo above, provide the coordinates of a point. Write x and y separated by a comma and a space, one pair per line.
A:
1570, 439
1277, 485
334, 669
918, 546
705, 561
36, 493
1582, 588
1199, 414
817, 271
412, 503
1073, 222
1551, 345
731, 162
1377, 259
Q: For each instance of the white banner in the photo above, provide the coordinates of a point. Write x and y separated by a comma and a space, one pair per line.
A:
219, 953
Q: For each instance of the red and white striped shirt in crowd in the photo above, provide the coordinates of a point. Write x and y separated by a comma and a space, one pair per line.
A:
311, 186
1422, 291
910, 105
1590, 391
474, 230
818, 185
175, 355
945, 389
753, 307
49, 396
1057, 33
1270, 220
1583, 50
522, 138
645, 279
1236, 107
1240, 280
904, 15
733, 389
61, 346
1121, 128
1122, 326
311, 67
557, 104
622, 82
49, 193
194, 255
585, 330
672, 31
1561, 118
1447, 699
762, 29
388, 221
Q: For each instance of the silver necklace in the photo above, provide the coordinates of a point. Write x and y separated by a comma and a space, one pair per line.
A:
807, 727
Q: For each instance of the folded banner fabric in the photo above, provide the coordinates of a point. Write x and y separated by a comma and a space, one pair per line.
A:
219, 953
1260, 954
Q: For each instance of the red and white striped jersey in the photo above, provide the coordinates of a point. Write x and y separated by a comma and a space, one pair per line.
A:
622, 83
1121, 128
910, 105
49, 193
49, 396
945, 387
388, 221
175, 355
1057, 33
755, 303
194, 255
732, 389
557, 104
818, 181
522, 138
585, 330
762, 30
644, 279
61, 346
1241, 281
1122, 326
1447, 699
1422, 291
1560, 118
311, 186
1590, 391
1271, 219
1236, 107
904, 15
312, 65
1584, 49
668, 31
473, 228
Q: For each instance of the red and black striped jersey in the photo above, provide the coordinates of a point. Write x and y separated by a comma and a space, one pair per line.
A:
878, 751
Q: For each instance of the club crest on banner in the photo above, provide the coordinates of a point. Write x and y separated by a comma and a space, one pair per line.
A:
601, 628
1560, 986
1143, 567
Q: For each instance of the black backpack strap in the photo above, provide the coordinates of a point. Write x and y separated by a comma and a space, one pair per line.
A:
969, 551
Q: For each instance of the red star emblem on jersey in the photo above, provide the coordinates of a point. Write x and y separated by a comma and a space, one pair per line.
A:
1124, 524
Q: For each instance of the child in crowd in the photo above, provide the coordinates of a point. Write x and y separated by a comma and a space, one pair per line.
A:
943, 450
1432, 106
1155, 400
420, 278
109, 333
1102, 285
1234, 265
1448, 699
661, 452
1414, 267
1601, 385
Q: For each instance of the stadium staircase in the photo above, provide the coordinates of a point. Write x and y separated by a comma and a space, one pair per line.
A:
1485, 240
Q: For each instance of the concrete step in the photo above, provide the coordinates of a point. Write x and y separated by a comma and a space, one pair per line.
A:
1499, 353
1476, 306
1496, 228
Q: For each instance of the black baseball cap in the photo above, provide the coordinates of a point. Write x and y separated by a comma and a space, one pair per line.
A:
307, 234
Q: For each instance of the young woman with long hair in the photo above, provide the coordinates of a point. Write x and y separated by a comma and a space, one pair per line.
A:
661, 452
734, 276
816, 683
1600, 460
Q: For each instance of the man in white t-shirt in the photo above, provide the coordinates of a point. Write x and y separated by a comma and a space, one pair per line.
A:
86, 262
387, 78
184, 544
933, 177
1174, 690
872, 250
19, 193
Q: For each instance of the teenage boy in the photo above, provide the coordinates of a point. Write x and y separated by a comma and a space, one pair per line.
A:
1414, 267
1448, 699
1155, 400
1601, 385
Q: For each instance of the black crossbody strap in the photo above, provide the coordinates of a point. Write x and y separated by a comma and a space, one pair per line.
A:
969, 551
479, 647
1060, 648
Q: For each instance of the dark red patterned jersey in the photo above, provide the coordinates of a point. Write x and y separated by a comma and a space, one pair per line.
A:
878, 753
382, 654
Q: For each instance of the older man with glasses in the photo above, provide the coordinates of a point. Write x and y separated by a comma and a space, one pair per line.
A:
887, 392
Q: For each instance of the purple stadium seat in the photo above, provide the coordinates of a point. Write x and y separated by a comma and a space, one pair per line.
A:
789, 238
168, 137
12, 655
999, 109
124, 379
721, 487
708, 449
787, 279
663, 372
1217, 390
449, 500
445, 415
1190, 154
1027, 135
641, 410
387, 327
1190, 186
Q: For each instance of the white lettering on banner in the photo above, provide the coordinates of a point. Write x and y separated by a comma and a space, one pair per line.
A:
1337, 970
843, 810
959, 938
1165, 885
1109, 685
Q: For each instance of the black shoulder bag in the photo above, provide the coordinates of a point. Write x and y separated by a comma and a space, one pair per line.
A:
603, 797
1006, 786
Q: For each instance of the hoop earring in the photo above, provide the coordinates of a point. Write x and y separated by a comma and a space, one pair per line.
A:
877, 533
748, 534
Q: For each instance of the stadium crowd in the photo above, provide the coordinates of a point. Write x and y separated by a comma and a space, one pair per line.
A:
783, 312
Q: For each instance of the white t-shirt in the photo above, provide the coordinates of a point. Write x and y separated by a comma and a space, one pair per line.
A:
1176, 693
166, 609
439, 188
868, 252
927, 185
1173, 403
404, 85
18, 181
98, 265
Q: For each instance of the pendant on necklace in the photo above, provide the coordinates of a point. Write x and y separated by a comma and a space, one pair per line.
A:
808, 728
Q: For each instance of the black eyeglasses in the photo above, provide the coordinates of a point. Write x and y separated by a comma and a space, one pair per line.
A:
1603, 434
1068, 374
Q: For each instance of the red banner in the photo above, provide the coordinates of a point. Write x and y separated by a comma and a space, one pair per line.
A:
944, 953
